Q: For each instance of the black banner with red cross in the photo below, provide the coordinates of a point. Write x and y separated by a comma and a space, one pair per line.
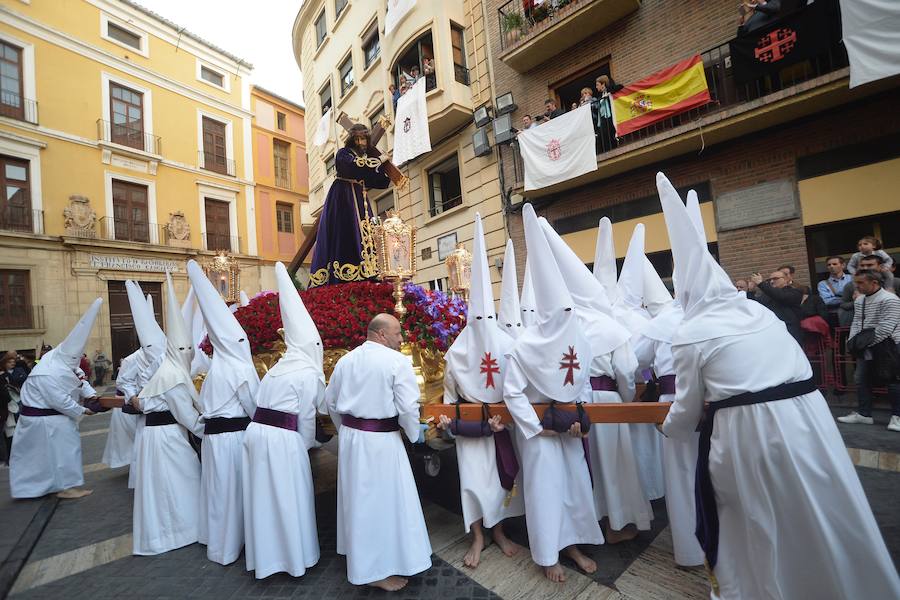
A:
801, 35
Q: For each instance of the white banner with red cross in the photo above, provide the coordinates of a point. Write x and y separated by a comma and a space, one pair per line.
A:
558, 150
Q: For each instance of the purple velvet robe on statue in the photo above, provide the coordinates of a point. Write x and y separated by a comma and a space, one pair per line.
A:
337, 256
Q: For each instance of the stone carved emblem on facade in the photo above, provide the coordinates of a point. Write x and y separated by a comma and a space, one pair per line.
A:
178, 230
80, 218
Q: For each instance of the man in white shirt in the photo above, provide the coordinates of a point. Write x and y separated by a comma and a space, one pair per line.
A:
371, 397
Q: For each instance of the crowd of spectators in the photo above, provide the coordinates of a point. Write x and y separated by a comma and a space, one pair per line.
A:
861, 294
409, 75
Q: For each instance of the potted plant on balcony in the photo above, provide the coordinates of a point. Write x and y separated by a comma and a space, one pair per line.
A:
513, 24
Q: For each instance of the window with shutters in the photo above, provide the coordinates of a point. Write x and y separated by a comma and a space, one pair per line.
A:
284, 217
346, 72
281, 120
130, 212
16, 311
12, 103
282, 158
339, 6
218, 225
460, 72
215, 153
444, 186
321, 29
325, 97
371, 45
126, 113
15, 195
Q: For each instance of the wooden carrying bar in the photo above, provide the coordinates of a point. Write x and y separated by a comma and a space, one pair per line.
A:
627, 412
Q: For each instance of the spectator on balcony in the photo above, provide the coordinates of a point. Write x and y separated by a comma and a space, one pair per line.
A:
587, 97
411, 76
868, 246
741, 285
878, 311
758, 13
782, 299
606, 132
551, 110
788, 271
428, 72
527, 123
404, 87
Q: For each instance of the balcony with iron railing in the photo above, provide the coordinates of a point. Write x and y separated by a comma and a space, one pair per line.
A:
216, 163
14, 106
21, 317
130, 230
282, 172
128, 137
749, 103
21, 219
532, 32
218, 241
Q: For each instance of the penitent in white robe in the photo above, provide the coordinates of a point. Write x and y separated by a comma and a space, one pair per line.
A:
380, 526
618, 494
46, 451
279, 498
679, 463
559, 504
480, 491
794, 520
167, 479
120, 447
221, 498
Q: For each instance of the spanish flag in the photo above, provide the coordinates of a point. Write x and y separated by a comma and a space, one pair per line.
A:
673, 90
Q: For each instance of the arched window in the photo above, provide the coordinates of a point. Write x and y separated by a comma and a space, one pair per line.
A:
416, 62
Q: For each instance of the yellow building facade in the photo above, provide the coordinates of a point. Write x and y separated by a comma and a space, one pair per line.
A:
126, 150
281, 174
348, 63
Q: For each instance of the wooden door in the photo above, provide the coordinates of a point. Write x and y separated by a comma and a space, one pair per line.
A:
121, 323
130, 212
15, 196
218, 225
12, 104
215, 152
126, 113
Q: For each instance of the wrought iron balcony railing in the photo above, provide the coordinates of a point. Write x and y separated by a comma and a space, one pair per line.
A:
14, 106
216, 163
131, 137
22, 219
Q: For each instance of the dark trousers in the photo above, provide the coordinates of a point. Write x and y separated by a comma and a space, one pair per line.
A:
864, 390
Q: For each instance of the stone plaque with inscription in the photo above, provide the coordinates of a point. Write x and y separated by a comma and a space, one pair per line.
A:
133, 263
767, 202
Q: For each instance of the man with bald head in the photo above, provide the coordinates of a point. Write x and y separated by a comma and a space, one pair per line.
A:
371, 397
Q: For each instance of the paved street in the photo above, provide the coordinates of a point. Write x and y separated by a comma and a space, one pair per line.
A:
82, 548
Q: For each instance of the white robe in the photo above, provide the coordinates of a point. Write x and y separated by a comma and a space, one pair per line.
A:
221, 498
679, 463
279, 498
559, 503
794, 520
481, 494
618, 493
120, 447
380, 525
46, 451
167, 481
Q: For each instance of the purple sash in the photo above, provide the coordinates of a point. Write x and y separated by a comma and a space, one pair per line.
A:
463, 428
275, 418
559, 420
93, 405
604, 383
30, 411
128, 409
666, 385
373, 425
216, 425
507, 463
159, 419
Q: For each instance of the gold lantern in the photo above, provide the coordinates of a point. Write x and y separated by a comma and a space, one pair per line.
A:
459, 271
224, 272
395, 247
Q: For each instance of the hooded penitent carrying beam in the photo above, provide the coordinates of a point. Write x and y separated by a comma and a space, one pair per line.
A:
167, 483
279, 502
771, 459
475, 367
46, 455
509, 319
227, 400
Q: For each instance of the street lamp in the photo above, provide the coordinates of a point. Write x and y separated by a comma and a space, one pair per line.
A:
395, 244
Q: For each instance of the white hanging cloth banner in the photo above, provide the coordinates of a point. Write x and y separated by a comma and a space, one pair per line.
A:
411, 136
396, 10
559, 149
323, 129
871, 31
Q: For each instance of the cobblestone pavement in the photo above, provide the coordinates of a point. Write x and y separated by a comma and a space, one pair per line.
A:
82, 548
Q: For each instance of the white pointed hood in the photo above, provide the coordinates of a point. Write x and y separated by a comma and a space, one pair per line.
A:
232, 363
656, 294
304, 345
628, 308
553, 353
176, 366
62, 361
510, 316
693, 209
527, 304
477, 356
605, 259
245, 299
150, 334
591, 305
712, 306
193, 318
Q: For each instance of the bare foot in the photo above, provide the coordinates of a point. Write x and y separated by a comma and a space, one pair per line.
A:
390, 584
613, 536
506, 545
555, 573
584, 563
473, 556
72, 493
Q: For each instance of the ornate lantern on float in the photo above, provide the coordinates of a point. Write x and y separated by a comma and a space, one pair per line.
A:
459, 271
224, 272
395, 247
